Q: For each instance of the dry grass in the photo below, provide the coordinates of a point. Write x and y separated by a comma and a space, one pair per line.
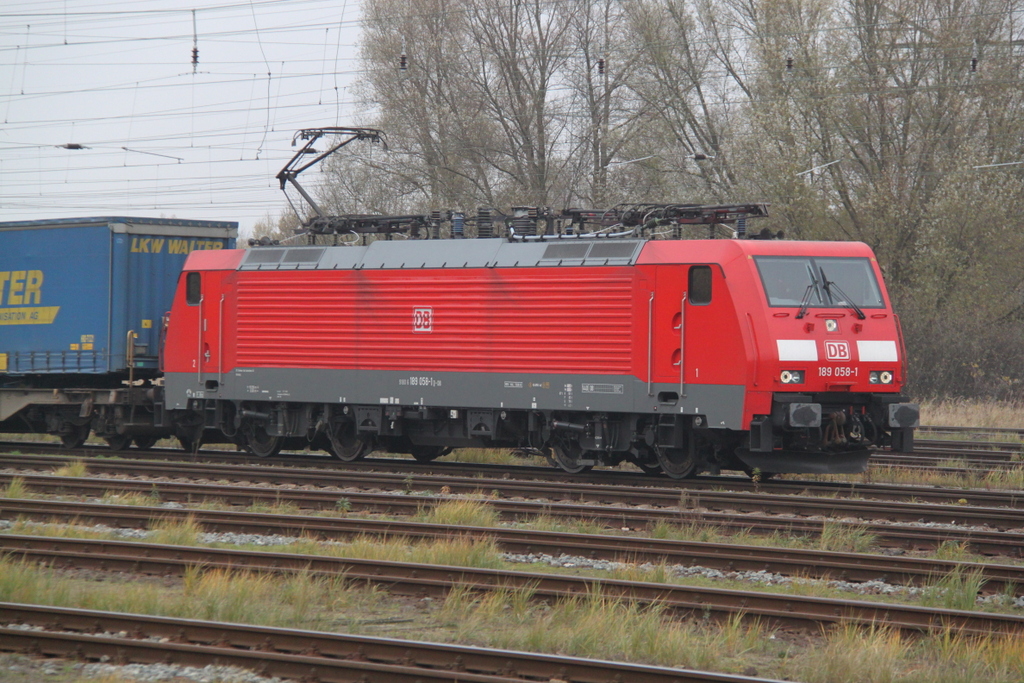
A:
75, 468
130, 498
16, 489
957, 590
572, 526
707, 533
968, 413
298, 600
24, 527
275, 508
460, 512
460, 551
175, 532
494, 456
1010, 478
596, 626
883, 655
846, 538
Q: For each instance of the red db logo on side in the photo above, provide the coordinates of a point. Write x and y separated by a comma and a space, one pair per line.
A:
422, 320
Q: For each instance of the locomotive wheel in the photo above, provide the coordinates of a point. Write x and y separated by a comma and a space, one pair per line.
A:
144, 443
118, 442
567, 457
261, 444
74, 436
651, 468
428, 453
677, 463
345, 445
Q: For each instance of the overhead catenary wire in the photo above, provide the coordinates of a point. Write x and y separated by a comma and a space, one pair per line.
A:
205, 133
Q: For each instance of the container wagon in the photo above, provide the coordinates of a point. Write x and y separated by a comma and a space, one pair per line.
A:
82, 302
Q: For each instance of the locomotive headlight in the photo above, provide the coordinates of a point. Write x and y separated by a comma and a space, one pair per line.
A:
792, 377
880, 377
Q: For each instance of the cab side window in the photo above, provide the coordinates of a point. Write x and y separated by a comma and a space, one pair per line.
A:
700, 285
193, 289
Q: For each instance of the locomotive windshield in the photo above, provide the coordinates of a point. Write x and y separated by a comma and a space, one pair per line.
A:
819, 282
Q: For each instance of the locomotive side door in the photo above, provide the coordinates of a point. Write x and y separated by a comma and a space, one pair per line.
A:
668, 328
212, 334
206, 309
681, 311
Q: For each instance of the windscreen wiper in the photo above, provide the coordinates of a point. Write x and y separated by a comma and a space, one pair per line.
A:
830, 286
806, 301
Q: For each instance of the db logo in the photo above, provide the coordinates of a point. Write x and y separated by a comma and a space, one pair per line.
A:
423, 320
837, 350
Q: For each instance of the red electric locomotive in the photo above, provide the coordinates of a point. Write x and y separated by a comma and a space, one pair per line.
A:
593, 345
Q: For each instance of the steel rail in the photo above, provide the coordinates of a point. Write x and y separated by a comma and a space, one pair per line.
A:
306, 655
971, 430
968, 448
989, 542
410, 578
853, 567
786, 496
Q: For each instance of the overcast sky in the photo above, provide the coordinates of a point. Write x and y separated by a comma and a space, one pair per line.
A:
162, 137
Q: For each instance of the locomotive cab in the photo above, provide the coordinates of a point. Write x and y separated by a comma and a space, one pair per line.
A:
836, 362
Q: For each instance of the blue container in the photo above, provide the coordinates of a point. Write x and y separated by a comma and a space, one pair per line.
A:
71, 290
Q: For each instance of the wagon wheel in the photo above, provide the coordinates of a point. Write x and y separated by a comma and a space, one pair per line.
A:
345, 445
567, 456
428, 453
678, 463
144, 443
261, 444
73, 436
118, 442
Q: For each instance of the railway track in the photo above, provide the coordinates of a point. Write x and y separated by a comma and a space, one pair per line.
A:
981, 432
303, 655
791, 497
953, 457
852, 567
982, 541
946, 460
413, 578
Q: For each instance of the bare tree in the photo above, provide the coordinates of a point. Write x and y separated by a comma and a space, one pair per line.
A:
419, 79
604, 113
519, 49
689, 99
